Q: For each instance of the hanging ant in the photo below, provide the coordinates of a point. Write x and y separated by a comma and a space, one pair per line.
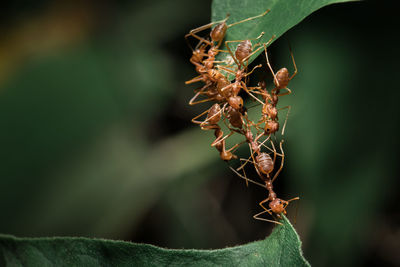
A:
217, 35
269, 110
264, 165
281, 77
211, 123
281, 81
206, 67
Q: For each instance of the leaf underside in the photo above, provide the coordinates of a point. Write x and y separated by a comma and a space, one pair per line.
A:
281, 248
283, 15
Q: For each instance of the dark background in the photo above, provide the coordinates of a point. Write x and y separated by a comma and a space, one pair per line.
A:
96, 138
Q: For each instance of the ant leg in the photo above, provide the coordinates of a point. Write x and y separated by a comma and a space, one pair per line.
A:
244, 173
292, 199
247, 179
251, 18
226, 69
274, 150
206, 120
246, 161
200, 92
251, 39
209, 118
198, 116
235, 147
239, 64
258, 66
297, 206
263, 219
221, 139
259, 136
250, 94
294, 64
191, 102
220, 61
270, 149
265, 210
265, 44
254, 88
195, 79
287, 93
269, 65
202, 28
282, 162
286, 203
230, 52
193, 34
287, 116
221, 91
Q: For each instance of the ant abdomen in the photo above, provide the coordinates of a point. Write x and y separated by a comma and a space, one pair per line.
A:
234, 117
282, 76
243, 50
214, 114
218, 33
264, 163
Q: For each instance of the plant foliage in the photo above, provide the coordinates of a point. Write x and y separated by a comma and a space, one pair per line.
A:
281, 248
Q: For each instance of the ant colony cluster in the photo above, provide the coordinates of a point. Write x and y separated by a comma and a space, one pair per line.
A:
228, 107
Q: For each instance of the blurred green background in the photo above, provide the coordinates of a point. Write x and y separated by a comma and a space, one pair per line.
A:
96, 138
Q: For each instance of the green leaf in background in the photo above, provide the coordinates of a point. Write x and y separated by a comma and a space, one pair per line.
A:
281, 248
283, 15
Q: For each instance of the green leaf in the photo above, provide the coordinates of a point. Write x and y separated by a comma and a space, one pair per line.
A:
281, 248
283, 15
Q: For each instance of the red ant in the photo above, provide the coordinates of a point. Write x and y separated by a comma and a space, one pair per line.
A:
211, 123
264, 166
206, 68
269, 110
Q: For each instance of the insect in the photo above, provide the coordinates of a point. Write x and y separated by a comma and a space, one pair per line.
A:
228, 107
281, 81
243, 52
210, 76
264, 166
281, 77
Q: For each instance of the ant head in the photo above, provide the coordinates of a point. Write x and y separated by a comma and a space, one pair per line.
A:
218, 33
278, 206
271, 126
282, 76
236, 102
262, 84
